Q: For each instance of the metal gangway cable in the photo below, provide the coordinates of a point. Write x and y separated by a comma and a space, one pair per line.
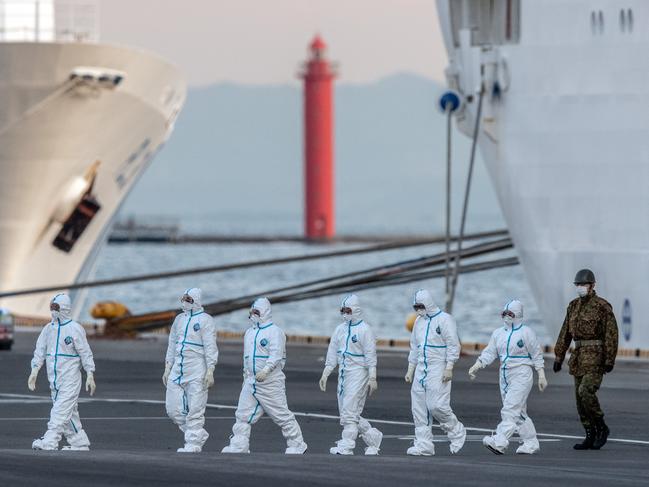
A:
467, 191
388, 275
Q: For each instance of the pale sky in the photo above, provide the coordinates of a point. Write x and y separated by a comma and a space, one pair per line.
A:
264, 41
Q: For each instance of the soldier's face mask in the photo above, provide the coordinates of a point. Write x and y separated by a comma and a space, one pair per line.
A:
582, 290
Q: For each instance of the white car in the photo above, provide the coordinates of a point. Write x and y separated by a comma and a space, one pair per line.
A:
6, 329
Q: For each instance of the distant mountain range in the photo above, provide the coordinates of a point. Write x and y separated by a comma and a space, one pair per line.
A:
236, 156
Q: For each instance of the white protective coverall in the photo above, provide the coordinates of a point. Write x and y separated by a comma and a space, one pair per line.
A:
264, 384
63, 346
434, 346
519, 351
353, 349
192, 350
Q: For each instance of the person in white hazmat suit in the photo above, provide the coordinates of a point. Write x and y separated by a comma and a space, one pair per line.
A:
353, 349
264, 384
191, 357
63, 346
434, 349
519, 351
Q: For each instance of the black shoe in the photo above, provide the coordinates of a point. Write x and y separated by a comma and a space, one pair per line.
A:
587, 444
601, 434
493, 450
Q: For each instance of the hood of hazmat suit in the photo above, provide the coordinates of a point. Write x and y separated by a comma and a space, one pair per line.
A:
65, 307
265, 313
516, 307
352, 302
424, 297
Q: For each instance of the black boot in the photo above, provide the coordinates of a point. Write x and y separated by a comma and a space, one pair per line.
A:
587, 444
601, 434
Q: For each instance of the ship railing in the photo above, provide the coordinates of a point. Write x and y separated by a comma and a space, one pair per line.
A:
27, 34
49, 20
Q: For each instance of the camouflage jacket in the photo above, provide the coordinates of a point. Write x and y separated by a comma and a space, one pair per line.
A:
588, 318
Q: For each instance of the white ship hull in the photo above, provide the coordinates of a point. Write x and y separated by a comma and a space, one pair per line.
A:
52, 133
567, 147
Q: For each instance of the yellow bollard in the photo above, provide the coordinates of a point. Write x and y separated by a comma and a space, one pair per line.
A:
109, 310
410, 321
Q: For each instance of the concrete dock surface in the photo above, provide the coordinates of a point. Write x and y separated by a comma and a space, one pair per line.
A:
134, 443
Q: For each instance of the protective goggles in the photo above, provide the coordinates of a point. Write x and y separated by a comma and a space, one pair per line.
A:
508, 313
345, 310
419, 307
187, 298
255, 312
55, 307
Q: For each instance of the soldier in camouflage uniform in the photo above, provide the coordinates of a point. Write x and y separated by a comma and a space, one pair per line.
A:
590, 322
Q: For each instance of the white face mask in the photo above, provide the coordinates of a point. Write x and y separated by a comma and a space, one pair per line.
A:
582, 291
347, 317
254, 318
420, 309
55, 315
186, 306
508, 320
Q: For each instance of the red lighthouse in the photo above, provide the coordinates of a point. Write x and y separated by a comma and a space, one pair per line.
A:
318, 76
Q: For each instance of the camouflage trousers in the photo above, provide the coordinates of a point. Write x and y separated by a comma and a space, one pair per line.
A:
586, 387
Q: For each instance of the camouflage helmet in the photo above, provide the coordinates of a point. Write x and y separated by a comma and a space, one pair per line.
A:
585, 276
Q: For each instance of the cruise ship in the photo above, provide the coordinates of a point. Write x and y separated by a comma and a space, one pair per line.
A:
564, 133
80, 121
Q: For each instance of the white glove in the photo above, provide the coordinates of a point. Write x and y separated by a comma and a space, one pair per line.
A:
448, 373
474, 369
208, 381
411, 373
323, 380
90, 383
165, 376
262, 374
31, 382
543, 382
371, 383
